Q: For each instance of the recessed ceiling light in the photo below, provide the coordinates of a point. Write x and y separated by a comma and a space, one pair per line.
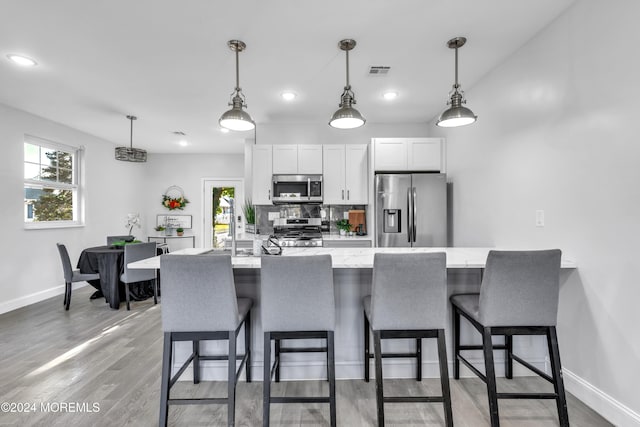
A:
288, 95
390, 95
224, 130
183, 142
22, 60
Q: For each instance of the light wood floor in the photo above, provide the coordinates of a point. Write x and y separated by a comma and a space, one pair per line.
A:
94, 355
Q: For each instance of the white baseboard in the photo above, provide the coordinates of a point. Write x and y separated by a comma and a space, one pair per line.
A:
25, 300
615, 412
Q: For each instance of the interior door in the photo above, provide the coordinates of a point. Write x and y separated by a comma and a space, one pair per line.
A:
223, 201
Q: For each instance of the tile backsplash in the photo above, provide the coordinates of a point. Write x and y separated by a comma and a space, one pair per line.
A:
328, 213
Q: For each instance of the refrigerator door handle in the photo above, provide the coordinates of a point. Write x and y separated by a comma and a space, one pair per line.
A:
413, 225
409, 215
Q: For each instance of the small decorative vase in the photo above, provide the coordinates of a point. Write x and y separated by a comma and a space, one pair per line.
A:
343, 232
179, 233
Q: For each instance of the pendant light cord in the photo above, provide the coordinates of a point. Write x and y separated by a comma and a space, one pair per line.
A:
456, 84
347, 52
131, 134
237, 71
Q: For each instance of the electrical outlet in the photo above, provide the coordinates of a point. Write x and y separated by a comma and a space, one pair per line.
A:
345, 215
540, 218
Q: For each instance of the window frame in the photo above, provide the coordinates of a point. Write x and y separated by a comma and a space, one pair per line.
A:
75, 187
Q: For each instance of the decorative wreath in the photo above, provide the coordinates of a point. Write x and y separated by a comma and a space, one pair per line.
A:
174, 198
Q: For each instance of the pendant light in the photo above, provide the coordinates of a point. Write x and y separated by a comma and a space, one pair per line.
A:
347, 117
236, 118
456, 115
130, 154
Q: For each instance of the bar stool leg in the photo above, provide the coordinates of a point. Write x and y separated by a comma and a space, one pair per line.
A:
266, 384
126, 293
166, 378
377, 350
367, 354
155, 288
231, 380
456, 343
247, 346
558, 382
444, 378
277, 357
196, 361
331, 373
418, 359
508, 356
490, 373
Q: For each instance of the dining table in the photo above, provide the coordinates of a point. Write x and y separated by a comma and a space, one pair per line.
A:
108, 261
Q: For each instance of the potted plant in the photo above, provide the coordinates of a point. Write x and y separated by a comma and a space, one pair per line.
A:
249, 211
179, 231
159, 228
344, 226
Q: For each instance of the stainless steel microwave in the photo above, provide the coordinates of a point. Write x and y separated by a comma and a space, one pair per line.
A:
296, 189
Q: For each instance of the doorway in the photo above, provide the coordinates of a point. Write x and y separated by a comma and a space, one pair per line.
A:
223, 200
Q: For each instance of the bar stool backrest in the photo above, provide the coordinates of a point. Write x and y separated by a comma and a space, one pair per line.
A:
198, 293
296, 293
409, 291
135, 252
520, 288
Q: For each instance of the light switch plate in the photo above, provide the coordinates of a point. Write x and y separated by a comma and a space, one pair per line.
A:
345, 215
539, 218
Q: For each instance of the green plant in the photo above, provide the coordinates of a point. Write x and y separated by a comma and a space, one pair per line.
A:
249, 211
343, 224
159, 228
179, 230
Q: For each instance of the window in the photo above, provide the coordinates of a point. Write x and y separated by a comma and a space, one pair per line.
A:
51, 189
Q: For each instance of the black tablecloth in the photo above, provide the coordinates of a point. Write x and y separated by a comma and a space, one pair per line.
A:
108, 262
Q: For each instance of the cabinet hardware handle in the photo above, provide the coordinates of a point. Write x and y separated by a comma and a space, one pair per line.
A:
347, 194
342, 194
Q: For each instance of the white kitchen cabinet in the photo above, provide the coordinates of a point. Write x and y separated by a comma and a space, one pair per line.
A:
262, 171
297, 159
345, 174
409, 154
310, 159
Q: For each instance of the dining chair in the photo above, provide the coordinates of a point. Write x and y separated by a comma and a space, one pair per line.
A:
297, 302
112, 239
199, 303
408, 301
71, 275
518, 296
136, 252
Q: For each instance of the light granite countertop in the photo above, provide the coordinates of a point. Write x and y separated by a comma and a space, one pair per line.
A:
349, 257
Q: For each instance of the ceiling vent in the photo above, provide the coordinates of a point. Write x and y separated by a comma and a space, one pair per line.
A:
379, 70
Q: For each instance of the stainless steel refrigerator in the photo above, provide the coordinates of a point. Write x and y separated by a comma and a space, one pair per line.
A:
411, 209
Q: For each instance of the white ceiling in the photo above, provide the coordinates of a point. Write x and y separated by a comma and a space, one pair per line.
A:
168, 63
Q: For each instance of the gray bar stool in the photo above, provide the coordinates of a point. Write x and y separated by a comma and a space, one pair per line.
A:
199, 303
297, 302
518, 296
408, 300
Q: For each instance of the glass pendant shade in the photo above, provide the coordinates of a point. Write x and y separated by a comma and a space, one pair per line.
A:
347, 117
457, 114
236, 118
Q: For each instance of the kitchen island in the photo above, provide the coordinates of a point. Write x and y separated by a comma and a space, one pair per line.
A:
352, 279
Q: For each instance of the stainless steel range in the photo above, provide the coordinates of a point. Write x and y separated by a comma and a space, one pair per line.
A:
298, 231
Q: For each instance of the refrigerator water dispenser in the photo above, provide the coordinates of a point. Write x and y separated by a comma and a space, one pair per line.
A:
391, 222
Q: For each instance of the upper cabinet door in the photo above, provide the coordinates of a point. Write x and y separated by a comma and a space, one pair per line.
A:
409, 155
333, 174
390, 154
310, 159
262, 171
356, 174
285, 159
425, 154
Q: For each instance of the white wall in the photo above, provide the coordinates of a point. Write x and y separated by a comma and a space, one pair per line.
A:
30, 269
557, 131
186, 171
